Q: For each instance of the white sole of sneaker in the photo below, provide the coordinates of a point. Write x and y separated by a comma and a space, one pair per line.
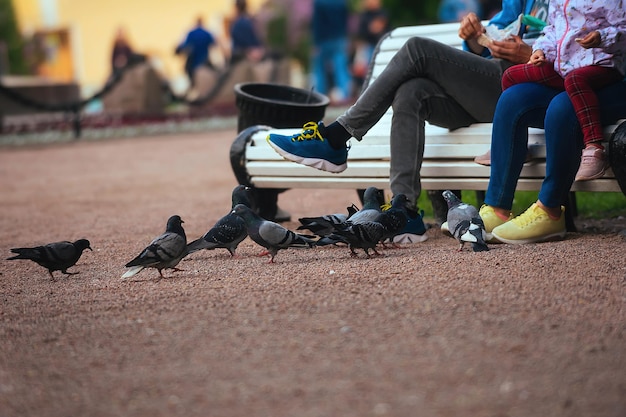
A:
409, 238
321, 164
553, 236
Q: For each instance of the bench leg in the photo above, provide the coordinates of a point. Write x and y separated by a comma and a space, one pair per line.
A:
571, 211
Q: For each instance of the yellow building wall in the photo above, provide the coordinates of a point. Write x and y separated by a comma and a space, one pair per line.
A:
154, 28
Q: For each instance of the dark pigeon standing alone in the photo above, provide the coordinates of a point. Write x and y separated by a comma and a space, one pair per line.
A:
229, 231
164, 252
272, 236
57, 256
464, 223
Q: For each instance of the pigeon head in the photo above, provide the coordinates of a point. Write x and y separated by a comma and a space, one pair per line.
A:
241, 195
451, 198
243, 211
82, 244
175, 224
373, 198
400, 201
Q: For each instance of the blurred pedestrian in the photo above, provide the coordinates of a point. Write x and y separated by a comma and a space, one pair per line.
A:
373, 24
122, 53
246, 43
196, 46
329, 25
452, 11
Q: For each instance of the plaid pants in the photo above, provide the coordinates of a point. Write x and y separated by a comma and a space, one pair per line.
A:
580, 85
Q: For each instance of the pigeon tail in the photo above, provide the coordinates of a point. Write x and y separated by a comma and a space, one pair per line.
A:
200, 244
133, 271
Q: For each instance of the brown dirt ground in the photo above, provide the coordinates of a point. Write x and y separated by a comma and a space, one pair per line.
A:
534, 330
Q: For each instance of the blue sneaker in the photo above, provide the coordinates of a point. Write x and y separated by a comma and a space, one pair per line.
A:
310, 148
414, 231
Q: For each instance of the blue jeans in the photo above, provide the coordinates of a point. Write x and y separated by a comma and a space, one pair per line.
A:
534, 105
334, 53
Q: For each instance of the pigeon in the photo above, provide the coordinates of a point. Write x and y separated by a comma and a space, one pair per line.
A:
272, 236
165, 251
324, 225
371, 207
465, 223
364, 235
229, 231
57, 256
394, 219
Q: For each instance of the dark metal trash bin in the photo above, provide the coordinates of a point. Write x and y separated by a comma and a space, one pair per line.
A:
262, 106
276, 105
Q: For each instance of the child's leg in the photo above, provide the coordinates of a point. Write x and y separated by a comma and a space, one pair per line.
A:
580, 85
529, 73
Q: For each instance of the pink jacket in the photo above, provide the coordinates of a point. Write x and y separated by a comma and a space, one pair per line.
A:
571, 19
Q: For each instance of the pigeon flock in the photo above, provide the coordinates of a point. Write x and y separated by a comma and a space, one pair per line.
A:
363, 229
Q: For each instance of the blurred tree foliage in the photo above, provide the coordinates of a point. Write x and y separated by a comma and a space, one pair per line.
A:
10, 37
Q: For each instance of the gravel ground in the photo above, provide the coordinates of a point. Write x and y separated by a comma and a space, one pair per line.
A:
534, 330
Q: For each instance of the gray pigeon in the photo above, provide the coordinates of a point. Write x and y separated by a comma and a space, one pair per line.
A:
465, 223
229, 231
57, 256
364, 235
163, 252
272, 236
371, 207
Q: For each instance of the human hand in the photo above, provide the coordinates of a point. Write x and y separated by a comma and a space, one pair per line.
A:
590, 40
513, 49
471, 27
538, 58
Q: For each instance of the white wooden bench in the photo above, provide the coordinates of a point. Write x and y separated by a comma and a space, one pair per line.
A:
448, 155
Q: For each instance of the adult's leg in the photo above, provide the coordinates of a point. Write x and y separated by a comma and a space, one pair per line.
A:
340, 67
415, 101
564, 140
519, 107
470, 80
319, 67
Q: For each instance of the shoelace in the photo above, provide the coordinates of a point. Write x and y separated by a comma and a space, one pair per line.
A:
310, 131
529, 216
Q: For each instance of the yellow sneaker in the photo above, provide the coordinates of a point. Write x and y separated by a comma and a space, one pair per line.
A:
533, 225
491, 220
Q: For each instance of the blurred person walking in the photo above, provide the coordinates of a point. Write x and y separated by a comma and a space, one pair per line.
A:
329, 25
196, 46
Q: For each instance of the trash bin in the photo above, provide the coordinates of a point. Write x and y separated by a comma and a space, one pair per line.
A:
278, 106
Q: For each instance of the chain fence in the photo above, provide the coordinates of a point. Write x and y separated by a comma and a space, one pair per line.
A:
75, 107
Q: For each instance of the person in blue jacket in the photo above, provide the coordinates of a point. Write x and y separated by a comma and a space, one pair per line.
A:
329, 26
196, 46
245, 40
424, 81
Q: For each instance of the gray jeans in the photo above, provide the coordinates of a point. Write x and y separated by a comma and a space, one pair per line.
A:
425, 81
